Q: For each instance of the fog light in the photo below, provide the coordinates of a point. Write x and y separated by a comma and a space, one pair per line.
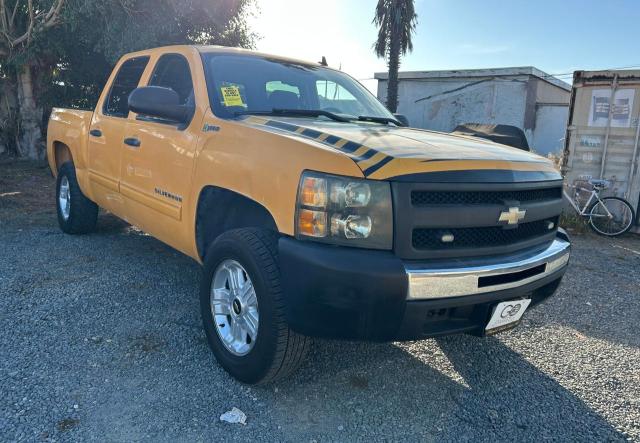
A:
550, 225
447, 238
353, 226
312, 223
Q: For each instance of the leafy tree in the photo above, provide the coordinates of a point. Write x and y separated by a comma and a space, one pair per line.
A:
70, 58
22, 22
396, 21
116, 27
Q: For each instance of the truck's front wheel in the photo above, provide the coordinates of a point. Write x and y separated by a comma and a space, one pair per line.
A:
243, 309
76, 213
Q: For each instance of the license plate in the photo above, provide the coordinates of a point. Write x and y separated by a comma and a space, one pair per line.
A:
507, 314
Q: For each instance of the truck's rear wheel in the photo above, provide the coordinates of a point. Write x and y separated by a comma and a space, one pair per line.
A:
76, 213
243, 310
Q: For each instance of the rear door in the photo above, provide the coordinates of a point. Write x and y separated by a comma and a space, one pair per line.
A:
158, 155
106, 133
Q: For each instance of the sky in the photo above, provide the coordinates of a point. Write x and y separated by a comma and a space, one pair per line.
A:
556, 36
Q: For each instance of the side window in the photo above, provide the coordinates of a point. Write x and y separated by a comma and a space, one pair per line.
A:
125, 82
172, 71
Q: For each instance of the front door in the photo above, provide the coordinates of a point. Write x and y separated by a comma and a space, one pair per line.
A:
157, 159
106, 133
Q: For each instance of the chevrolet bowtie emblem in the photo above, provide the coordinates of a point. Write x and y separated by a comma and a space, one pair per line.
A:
512, 216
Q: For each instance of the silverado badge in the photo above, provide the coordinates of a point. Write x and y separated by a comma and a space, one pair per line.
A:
512, 216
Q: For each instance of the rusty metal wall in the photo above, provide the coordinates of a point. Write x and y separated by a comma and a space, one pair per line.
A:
602, 137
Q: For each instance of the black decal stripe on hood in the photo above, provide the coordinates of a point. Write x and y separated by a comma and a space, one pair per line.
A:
347, 147
430, 160
371, 169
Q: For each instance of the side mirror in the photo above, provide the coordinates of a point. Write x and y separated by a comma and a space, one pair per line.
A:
402, 119
155, 101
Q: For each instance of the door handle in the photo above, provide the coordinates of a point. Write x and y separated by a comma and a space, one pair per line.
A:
96, 133
132, 141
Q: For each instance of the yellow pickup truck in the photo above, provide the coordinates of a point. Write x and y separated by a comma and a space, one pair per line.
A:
314, 211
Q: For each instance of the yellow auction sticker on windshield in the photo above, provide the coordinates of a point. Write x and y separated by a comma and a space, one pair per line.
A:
231, 96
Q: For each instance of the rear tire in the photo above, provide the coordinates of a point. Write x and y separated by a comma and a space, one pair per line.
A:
76, 213
277, 351
620, 208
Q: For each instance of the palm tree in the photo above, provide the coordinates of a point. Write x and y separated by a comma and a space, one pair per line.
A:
396, 21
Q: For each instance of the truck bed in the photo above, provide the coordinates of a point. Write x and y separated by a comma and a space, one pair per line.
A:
69, 127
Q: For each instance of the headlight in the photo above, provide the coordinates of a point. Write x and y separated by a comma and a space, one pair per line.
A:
344, 210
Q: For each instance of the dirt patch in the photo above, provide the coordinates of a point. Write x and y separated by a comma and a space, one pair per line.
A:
359, 381
67, 424
26, 187
27, 197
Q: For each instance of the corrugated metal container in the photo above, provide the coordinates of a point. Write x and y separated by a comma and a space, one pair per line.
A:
602, 134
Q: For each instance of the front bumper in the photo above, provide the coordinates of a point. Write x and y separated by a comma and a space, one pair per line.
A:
352, 293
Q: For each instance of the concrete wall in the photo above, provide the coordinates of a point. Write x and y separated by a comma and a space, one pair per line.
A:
547, 137
442, 105
524, 101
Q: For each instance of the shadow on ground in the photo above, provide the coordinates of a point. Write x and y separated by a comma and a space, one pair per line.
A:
456, 388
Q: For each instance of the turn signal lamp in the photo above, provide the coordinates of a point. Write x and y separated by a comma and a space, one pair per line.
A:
312, 223
313, 192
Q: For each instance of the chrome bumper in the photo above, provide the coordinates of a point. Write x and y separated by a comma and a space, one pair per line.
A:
475, 276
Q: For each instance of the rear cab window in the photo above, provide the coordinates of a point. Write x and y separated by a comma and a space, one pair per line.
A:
125, 81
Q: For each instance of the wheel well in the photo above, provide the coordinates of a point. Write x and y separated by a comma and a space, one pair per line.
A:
62, 154
220, 210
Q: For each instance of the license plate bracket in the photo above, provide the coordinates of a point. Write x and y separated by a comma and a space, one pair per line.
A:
506, 315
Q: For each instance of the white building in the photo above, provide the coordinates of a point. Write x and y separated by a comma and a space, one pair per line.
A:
524, 97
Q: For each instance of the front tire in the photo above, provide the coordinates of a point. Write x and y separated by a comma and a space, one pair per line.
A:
623, 216
243, 309
76, 213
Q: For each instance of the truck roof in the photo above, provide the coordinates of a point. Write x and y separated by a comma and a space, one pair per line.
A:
224, 50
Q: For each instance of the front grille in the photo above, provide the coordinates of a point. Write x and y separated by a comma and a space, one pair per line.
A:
429, 238
468, 215
431, 198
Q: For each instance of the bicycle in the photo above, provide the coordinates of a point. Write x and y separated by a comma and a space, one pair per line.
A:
610, 216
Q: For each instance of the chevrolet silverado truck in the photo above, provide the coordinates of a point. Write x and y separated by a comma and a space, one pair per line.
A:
314, 211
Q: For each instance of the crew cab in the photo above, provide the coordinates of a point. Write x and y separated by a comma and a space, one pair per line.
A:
314, 211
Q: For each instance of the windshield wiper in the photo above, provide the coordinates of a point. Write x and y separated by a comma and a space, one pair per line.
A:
384, 120
297, 113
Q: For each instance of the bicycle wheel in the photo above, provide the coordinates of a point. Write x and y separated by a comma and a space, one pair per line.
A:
617, 223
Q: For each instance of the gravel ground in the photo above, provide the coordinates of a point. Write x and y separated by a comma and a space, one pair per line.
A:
101, 341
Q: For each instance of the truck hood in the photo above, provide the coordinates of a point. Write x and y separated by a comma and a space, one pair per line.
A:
408, 154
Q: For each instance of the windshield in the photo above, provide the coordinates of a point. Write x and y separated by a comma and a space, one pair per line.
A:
240, 84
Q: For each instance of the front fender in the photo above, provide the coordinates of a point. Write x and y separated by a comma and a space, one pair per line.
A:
262, 166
